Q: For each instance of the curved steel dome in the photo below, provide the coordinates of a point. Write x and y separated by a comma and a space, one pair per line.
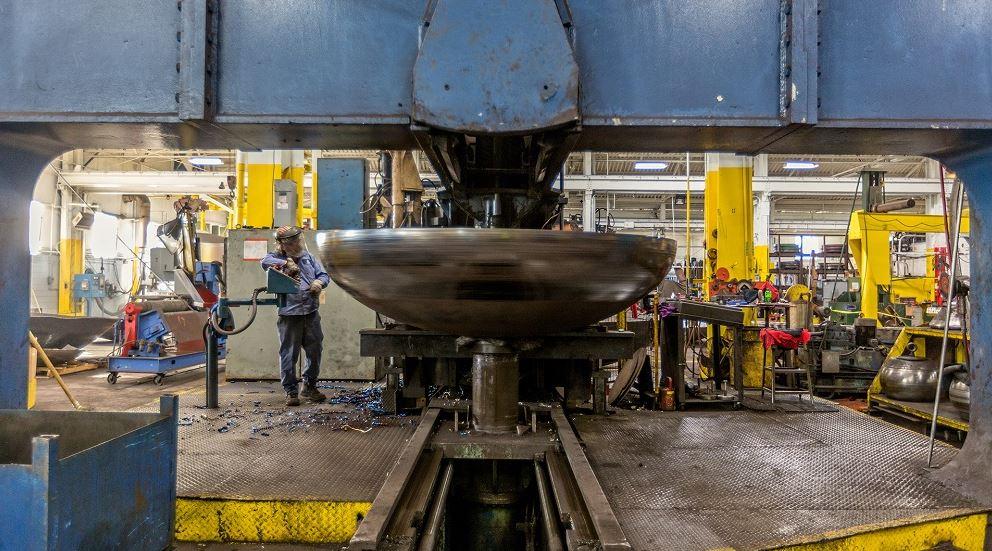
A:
495, 282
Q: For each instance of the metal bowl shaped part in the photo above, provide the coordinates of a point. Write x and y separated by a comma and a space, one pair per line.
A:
495, 282
960, 393
909, 378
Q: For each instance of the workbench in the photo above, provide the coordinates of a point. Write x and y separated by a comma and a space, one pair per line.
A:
717, 317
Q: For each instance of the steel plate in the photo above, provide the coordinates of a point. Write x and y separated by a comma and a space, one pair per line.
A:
61, 356
495, 282
53, 331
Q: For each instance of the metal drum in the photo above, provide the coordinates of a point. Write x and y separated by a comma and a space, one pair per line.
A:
495, 282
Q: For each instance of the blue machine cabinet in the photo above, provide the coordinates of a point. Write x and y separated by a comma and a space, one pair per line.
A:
342, 184
88, 480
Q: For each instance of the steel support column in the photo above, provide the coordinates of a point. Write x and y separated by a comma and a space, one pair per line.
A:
19, 171
970, 470
728, 217
762, 232
589, 211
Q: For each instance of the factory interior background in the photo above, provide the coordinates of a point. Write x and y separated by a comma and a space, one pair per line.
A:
465, 275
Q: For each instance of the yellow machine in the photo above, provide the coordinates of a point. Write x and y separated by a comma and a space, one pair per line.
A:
868, 237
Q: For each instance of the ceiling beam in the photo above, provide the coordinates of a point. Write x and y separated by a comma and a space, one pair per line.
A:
775, 185
175, 182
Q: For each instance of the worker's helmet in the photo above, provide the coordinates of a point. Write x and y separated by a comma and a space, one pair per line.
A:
288, 232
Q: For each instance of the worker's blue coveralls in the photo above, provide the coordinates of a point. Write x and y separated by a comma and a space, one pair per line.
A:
299, 322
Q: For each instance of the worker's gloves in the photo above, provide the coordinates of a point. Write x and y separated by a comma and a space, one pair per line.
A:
290, 268
316, 286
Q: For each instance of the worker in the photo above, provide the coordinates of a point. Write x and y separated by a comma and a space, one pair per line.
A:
299, 320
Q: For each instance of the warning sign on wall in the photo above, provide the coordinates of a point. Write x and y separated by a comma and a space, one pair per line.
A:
255, 249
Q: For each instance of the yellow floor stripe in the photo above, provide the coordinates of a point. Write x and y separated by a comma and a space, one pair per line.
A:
956, 529
278, 521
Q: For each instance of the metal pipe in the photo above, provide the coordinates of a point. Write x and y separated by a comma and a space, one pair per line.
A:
212, 377
433, 527
943, 202
688, 226
898, 204
656, 341
947, 323
51, 370
549, 521
164, 305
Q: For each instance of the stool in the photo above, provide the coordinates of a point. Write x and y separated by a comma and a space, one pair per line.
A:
781, 342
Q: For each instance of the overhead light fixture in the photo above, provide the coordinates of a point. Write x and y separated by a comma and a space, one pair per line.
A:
205, 161
800, 165
650, 165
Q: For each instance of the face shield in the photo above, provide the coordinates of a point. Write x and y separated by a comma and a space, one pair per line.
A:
292, 246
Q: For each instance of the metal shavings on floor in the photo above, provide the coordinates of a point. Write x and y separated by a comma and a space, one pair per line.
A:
254, 447
346, 408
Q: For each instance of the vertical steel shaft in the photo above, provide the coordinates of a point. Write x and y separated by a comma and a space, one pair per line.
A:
959, 203
495, 380
213, 357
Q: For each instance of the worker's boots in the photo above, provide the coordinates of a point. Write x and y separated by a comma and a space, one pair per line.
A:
311, 393
292, 399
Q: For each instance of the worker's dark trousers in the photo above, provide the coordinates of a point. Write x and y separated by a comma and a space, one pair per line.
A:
296, 332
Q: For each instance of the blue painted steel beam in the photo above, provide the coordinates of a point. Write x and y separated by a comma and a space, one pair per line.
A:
744, 74
971, 468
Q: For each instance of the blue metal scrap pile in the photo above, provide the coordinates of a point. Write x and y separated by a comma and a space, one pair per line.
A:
347, 408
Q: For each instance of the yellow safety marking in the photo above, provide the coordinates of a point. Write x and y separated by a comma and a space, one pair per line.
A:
962, 529
919, 413
277, 521
762, 261
70, 264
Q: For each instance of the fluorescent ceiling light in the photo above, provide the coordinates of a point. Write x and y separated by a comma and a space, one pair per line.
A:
205, 161
800, 165
650, 165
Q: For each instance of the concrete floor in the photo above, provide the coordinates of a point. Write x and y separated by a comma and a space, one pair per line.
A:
91, 389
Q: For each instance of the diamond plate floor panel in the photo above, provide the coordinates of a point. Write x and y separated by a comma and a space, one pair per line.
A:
253, 447
746, 479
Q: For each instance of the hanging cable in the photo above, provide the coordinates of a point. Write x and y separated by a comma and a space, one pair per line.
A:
847, 232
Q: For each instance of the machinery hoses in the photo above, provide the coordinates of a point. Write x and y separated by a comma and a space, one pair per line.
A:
251, 317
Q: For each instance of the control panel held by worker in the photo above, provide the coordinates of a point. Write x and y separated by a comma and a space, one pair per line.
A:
299, 320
